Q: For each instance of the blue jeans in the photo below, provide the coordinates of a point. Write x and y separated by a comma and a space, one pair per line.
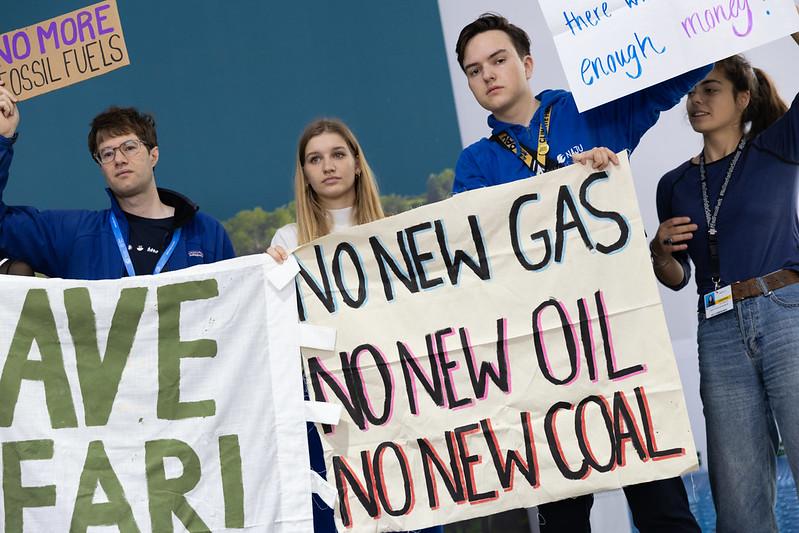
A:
749, 370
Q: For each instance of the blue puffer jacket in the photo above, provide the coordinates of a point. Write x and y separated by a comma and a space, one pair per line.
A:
79, 244
618, 125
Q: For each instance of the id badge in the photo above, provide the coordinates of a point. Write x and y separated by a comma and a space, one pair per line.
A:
718, 302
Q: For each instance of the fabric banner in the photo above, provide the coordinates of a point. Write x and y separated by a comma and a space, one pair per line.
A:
614, 48
500, 349
155, 403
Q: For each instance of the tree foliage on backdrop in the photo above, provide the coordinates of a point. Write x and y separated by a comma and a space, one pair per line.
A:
252, 230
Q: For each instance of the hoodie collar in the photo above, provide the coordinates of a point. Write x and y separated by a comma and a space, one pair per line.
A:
184, 208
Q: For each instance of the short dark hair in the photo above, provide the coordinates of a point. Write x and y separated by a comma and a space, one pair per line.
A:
116, 121
493, 21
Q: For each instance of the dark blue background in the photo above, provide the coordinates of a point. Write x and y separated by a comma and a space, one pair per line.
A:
233, 84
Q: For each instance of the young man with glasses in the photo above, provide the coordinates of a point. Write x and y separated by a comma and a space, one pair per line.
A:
147, 230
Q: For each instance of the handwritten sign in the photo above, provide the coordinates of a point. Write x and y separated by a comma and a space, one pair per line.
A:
500, 349
612, 48
62, 51
147, 401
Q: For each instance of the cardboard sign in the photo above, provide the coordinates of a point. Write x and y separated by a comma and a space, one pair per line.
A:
612, 48
500, 349
154, 401
62, 51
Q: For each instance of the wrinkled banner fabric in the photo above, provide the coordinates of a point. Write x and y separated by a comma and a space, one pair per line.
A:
153, 403
499, 349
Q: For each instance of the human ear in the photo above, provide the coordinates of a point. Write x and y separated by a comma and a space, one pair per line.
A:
742, 99
528, 66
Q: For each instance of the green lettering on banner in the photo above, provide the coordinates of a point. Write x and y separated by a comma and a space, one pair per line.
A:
171, 349
15, 496
232, 484
99, 377
116, 511
167, 496
37, 323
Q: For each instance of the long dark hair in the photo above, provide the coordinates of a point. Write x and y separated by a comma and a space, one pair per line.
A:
765, 104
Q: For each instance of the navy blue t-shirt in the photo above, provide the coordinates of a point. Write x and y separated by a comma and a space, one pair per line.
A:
148, 239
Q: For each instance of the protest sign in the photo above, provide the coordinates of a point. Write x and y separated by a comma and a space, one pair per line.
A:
154, 403
62, 51
612, 48
500, 349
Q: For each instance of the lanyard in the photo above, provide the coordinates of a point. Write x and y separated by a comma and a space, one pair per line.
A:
543, 131
123, 248
711, 218
525, 153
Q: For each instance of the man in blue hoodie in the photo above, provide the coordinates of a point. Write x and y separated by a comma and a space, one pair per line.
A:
147, 230
534, 134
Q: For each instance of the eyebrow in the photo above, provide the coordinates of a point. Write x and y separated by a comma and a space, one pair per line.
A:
309, 154
475, 63
705, 82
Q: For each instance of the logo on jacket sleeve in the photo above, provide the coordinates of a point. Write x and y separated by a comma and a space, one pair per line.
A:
196, 253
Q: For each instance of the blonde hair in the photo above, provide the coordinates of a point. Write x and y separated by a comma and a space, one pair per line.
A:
313, 220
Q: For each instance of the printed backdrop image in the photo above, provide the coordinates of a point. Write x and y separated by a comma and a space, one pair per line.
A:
496, 350
153, 402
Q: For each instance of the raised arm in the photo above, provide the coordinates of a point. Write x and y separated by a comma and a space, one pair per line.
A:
9, 119
9, 114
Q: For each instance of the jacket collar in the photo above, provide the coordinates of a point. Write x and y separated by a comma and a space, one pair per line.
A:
184, 208
547, 98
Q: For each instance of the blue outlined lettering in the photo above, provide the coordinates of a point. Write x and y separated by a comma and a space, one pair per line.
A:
515, 235
338, 275
566, 202
386, 262
454, 262
620, 220
420, 258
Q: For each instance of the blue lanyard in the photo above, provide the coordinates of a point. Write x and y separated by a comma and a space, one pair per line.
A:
123, 248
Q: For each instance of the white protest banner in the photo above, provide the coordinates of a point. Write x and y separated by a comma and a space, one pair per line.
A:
500, 349
155, 403
63, 50
612, 48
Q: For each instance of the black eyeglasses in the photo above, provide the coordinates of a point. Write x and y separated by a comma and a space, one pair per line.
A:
127, 148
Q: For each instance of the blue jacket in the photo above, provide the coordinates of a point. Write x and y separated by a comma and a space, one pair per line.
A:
79, 244
617, 125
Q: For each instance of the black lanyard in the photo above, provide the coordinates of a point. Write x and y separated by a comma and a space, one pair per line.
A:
543, 131
711, 218
525, 153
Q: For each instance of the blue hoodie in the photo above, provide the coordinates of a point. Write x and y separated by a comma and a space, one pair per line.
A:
79, 244
618, 125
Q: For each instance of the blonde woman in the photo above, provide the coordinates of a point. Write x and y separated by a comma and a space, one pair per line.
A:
333, 185
335, 189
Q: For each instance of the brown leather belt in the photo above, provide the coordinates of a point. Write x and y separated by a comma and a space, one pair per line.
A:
746, 289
